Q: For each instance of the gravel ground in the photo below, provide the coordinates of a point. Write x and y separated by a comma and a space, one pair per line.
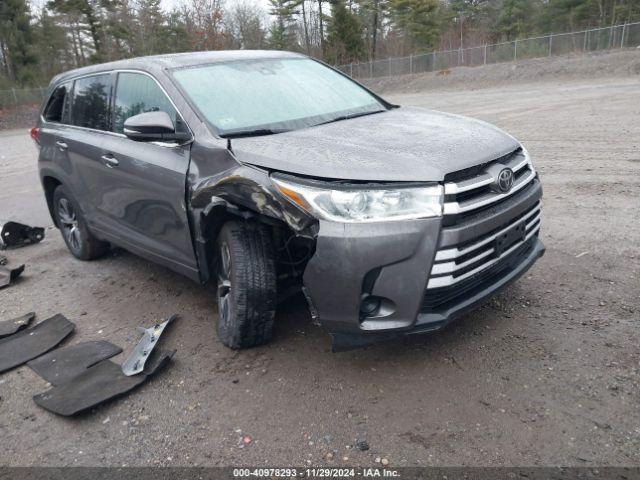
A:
546, 373
25, 117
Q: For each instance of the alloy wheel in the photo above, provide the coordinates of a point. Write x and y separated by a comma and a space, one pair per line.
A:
69, 224
224, 284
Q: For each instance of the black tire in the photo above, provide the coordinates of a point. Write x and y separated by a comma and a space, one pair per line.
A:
246, 277
80, 241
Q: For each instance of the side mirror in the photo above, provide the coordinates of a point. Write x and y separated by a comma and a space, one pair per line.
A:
153, 126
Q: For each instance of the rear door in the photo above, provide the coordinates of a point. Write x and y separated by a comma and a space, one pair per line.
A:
89, 116
141, 196
54, 133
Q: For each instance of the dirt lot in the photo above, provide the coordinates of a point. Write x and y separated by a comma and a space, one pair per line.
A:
547, 373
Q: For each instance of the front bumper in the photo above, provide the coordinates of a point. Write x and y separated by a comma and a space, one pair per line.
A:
393, 261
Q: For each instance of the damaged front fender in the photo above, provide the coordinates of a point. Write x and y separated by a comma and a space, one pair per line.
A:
221, 189
244, 188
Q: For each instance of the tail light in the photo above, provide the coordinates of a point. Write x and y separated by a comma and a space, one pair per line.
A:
35, 134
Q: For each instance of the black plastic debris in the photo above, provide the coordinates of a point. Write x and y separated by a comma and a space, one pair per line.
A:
63, 364
134, 363
8, 275
99, 383
14, 235
33, 342
9, 327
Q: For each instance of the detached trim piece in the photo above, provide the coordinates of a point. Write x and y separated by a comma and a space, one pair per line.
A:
61, 365
8, 275
100, 383
134, 363
33, 342
9, 327
14, 235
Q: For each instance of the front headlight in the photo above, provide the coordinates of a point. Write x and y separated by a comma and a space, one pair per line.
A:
366, 203
525, 154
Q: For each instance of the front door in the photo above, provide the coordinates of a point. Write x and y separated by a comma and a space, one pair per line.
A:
141, 197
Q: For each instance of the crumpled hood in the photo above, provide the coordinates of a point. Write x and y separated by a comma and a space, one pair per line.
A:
402, 144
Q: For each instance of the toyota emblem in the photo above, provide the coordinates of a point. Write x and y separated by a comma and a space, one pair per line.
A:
505, 179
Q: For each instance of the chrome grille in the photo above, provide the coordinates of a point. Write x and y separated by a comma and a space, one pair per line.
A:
472, 194
455, 264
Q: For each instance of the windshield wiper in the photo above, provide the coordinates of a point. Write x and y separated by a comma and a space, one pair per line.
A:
349, 116
254, 133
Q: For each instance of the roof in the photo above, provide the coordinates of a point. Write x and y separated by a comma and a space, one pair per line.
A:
157, 63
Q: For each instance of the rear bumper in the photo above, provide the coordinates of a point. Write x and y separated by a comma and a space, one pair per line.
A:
393, 261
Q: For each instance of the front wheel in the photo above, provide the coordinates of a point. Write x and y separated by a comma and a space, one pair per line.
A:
246, 277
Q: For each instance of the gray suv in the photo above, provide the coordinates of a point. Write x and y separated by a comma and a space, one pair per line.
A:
270, 173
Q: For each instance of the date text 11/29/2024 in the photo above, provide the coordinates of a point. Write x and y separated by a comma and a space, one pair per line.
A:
315, 472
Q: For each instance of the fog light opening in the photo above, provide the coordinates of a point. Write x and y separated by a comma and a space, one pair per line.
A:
370, 305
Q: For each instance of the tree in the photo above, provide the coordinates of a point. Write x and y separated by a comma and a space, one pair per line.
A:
246, 26
89, 14
52, 46
419, 20
282, 34
516, 19
204, 25
16, 42
177, 39
344, 35
321, 25
372, 14
152, 30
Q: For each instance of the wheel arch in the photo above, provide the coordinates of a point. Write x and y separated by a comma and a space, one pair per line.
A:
243, 193
49, 184
209, 223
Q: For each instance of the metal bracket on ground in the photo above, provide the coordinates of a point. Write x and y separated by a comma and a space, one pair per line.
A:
134, 363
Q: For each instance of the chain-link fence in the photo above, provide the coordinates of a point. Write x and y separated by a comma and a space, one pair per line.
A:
618, 36
19, 97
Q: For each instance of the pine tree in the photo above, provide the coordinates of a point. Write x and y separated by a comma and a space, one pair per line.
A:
418, 19
92, 15
282, 32
17, 57
344, 35
52, 46
516, 19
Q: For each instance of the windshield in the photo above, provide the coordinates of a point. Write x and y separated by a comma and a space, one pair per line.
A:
272, 95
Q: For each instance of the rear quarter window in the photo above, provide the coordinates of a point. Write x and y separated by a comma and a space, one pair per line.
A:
90, 105
57, 104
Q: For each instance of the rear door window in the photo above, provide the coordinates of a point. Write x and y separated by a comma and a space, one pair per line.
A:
90, 106
138, 93
57, 104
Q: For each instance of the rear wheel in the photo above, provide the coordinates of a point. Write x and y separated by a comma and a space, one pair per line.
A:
80, 242
246, 278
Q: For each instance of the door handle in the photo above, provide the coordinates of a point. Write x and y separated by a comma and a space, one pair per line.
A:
61, 145
110, 161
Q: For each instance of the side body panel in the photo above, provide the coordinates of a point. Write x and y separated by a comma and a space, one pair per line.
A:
140, 203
